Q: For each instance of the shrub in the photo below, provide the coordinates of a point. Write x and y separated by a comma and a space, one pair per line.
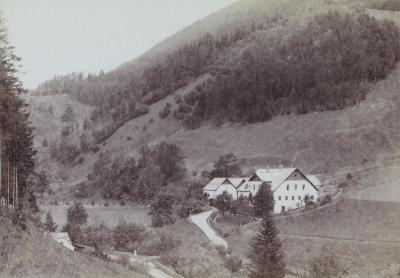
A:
82, 190
343, 184
233, 263
93, 203
122, 203
349, 176
326, 266
45, 143
106, 204
222, 251
326, 200
165, 112
125, 235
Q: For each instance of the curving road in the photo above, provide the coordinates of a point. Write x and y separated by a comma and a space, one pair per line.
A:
201, 221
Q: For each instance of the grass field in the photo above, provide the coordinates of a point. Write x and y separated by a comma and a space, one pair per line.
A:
109, 215
34, 255
362, 234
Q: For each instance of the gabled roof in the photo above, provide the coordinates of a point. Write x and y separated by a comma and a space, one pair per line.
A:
64, 239
314, 180
236, 182
214, 184
217, 182
274, 176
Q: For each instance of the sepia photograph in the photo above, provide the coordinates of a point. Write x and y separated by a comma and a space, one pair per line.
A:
199, 139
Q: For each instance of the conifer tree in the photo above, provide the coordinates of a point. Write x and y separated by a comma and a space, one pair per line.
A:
263, 201
50, 225
15, 132
267, 258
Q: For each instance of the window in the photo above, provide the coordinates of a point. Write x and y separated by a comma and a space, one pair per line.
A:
304, 186
292, 198
287, 187
279, 198
254, 187
295, 187
286, 198
312, 197
299, 198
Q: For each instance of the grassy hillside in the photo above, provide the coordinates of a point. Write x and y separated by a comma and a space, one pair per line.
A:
362, 234
35, 255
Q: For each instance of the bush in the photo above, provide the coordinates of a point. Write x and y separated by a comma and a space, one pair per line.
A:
45, 143
326, 266
93, 203
165, 112
82, 190
122, 203
326, 200
233, 263
343, 184
125, 235
222, 251
106, 204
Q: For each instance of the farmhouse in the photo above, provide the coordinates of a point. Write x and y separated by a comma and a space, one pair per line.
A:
288, 185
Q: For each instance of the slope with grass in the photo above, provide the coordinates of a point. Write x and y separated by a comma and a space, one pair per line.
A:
35, 255
362, 234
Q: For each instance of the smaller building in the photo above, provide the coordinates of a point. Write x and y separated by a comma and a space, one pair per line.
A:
217, 186
64, 239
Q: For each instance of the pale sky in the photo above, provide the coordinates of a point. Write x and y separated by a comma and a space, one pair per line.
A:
62, 36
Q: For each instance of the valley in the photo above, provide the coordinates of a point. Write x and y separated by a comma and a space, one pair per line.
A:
123, 156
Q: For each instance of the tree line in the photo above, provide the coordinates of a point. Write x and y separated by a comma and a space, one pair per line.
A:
18, 182
387, 5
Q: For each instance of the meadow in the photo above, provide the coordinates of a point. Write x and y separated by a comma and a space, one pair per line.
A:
99, 214
363, 235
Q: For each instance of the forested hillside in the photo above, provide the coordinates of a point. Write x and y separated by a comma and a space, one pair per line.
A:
324, 66
276, 60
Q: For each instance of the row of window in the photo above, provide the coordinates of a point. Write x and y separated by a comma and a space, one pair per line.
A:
293, 198
295, 187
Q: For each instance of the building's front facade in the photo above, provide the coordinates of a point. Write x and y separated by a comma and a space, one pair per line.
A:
289, 186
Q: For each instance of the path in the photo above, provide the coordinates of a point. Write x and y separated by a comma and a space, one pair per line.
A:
156, 272
155, 269
201, 220
293, 235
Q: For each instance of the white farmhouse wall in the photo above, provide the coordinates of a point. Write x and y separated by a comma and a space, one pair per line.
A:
291, 193
212, 194
228, 188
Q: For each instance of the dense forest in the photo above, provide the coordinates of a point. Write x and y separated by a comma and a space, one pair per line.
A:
387, 5
325, 66
139, 180
17, 177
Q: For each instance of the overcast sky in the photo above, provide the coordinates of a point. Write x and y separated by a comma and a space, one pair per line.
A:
61, 36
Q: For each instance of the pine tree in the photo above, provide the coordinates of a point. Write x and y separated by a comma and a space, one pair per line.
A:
49, 225
263, 201
15, 132
267, 258
69, 115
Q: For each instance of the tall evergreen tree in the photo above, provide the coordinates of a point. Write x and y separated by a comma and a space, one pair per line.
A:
50, 225
15, 133
263, 201
267, 258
